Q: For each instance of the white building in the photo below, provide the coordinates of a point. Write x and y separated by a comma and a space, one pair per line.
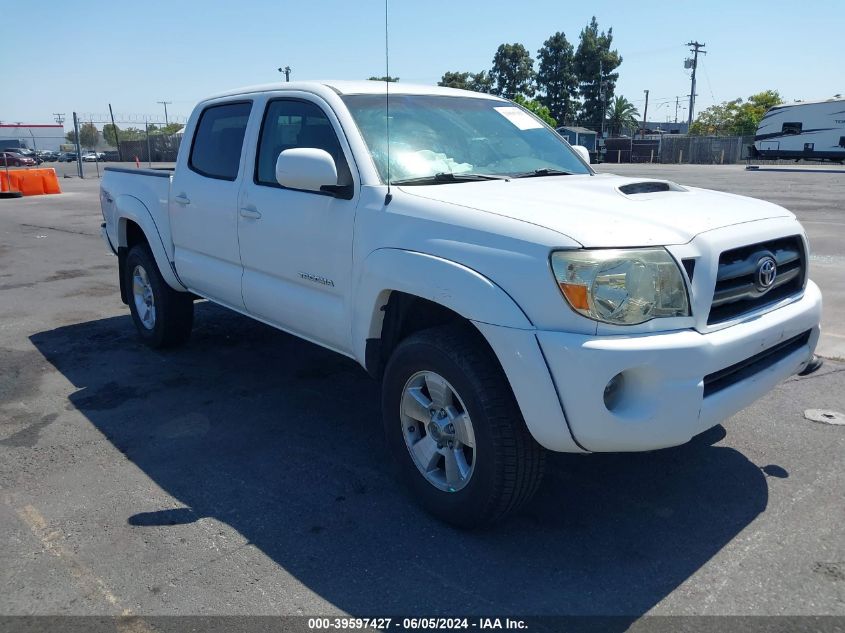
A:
32, 136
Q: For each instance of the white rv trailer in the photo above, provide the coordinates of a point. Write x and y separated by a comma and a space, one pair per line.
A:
811, 129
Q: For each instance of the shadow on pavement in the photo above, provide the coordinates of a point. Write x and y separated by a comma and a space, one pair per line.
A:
282, 440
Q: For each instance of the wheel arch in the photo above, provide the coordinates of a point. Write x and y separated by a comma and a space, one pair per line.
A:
438, 290
400, 292
135, 225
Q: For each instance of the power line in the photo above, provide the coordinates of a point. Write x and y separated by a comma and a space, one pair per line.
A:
709, 85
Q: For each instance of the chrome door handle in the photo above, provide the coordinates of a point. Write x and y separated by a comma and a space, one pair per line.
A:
251, 213
182, 199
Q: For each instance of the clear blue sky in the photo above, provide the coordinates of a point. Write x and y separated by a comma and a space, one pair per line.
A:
67, 56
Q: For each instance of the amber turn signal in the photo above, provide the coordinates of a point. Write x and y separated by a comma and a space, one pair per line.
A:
576, 295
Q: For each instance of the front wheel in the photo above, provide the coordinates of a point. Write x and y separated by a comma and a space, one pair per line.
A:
454, 427
162, 316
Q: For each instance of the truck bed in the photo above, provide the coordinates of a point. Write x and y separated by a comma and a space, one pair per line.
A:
161, 172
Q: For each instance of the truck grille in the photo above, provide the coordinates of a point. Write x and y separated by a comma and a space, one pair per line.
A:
738, 288
718, 380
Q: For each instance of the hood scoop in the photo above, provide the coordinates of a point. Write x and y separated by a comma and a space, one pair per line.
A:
649, 186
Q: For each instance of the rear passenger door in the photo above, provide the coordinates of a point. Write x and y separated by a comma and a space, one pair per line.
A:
296, 246
204, 204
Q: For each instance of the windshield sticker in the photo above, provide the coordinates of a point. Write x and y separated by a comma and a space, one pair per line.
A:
519, 118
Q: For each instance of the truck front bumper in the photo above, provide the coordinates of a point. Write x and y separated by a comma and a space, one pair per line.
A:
675, 385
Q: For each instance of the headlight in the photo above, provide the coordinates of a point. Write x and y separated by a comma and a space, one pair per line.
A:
624, 287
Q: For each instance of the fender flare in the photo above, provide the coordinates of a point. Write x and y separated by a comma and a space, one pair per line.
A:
450, 284
130, 208
497, 316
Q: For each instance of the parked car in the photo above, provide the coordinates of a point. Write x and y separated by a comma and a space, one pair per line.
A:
509, 300
13, 159
48, 156
26, 153
67, 157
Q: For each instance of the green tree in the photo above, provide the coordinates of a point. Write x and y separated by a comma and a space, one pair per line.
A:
556, 77
455, 79
477, 82
734, 118
595, 64
132, 134
621, 115
481, 82
70, 137
88, 135
166, 130
750, 113
111, 134
537, 108
513, 71
387, 78
172, 128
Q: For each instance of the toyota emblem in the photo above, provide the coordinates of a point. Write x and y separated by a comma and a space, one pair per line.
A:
767, 270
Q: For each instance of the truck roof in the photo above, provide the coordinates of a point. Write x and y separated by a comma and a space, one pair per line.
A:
345, 87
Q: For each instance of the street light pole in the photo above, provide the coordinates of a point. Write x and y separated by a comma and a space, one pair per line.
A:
286, 71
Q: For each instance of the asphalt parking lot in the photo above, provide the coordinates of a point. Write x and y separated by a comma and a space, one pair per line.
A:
246, 472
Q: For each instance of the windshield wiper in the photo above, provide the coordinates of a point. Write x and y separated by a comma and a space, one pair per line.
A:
544, 172
446, 177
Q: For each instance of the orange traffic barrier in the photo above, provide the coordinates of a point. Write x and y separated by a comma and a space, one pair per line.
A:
30, 182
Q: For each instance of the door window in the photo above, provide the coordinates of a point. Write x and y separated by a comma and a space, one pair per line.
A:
218, 140
291, 123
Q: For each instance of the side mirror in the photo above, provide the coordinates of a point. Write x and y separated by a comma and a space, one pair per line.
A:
583, 152
306, 168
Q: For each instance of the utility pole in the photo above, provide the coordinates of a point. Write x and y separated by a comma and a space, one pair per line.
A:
286, 70
78, 147
693, 63
149, 150
59, 117
116, 137
645, 114
677, 105
601, 101
165, 104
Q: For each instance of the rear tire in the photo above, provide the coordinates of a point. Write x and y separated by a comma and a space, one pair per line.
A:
500, 464
162, 316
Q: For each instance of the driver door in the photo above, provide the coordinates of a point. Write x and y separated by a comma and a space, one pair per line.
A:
296, 246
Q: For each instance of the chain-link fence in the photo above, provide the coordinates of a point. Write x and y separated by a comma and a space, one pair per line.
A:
702, 150
672, 148
137, 139
627, 150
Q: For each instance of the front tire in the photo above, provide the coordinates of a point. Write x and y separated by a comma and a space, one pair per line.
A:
162, 316
455, 429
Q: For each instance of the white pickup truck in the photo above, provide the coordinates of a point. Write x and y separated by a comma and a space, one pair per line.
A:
509, 299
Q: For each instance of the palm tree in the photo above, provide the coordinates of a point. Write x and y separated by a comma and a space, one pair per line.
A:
621, 115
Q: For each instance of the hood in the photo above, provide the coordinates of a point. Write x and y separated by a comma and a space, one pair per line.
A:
606, 210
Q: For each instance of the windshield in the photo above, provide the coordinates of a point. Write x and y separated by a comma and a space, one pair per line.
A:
432, 135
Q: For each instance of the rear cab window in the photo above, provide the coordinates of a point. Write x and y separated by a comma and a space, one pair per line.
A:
219, 139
